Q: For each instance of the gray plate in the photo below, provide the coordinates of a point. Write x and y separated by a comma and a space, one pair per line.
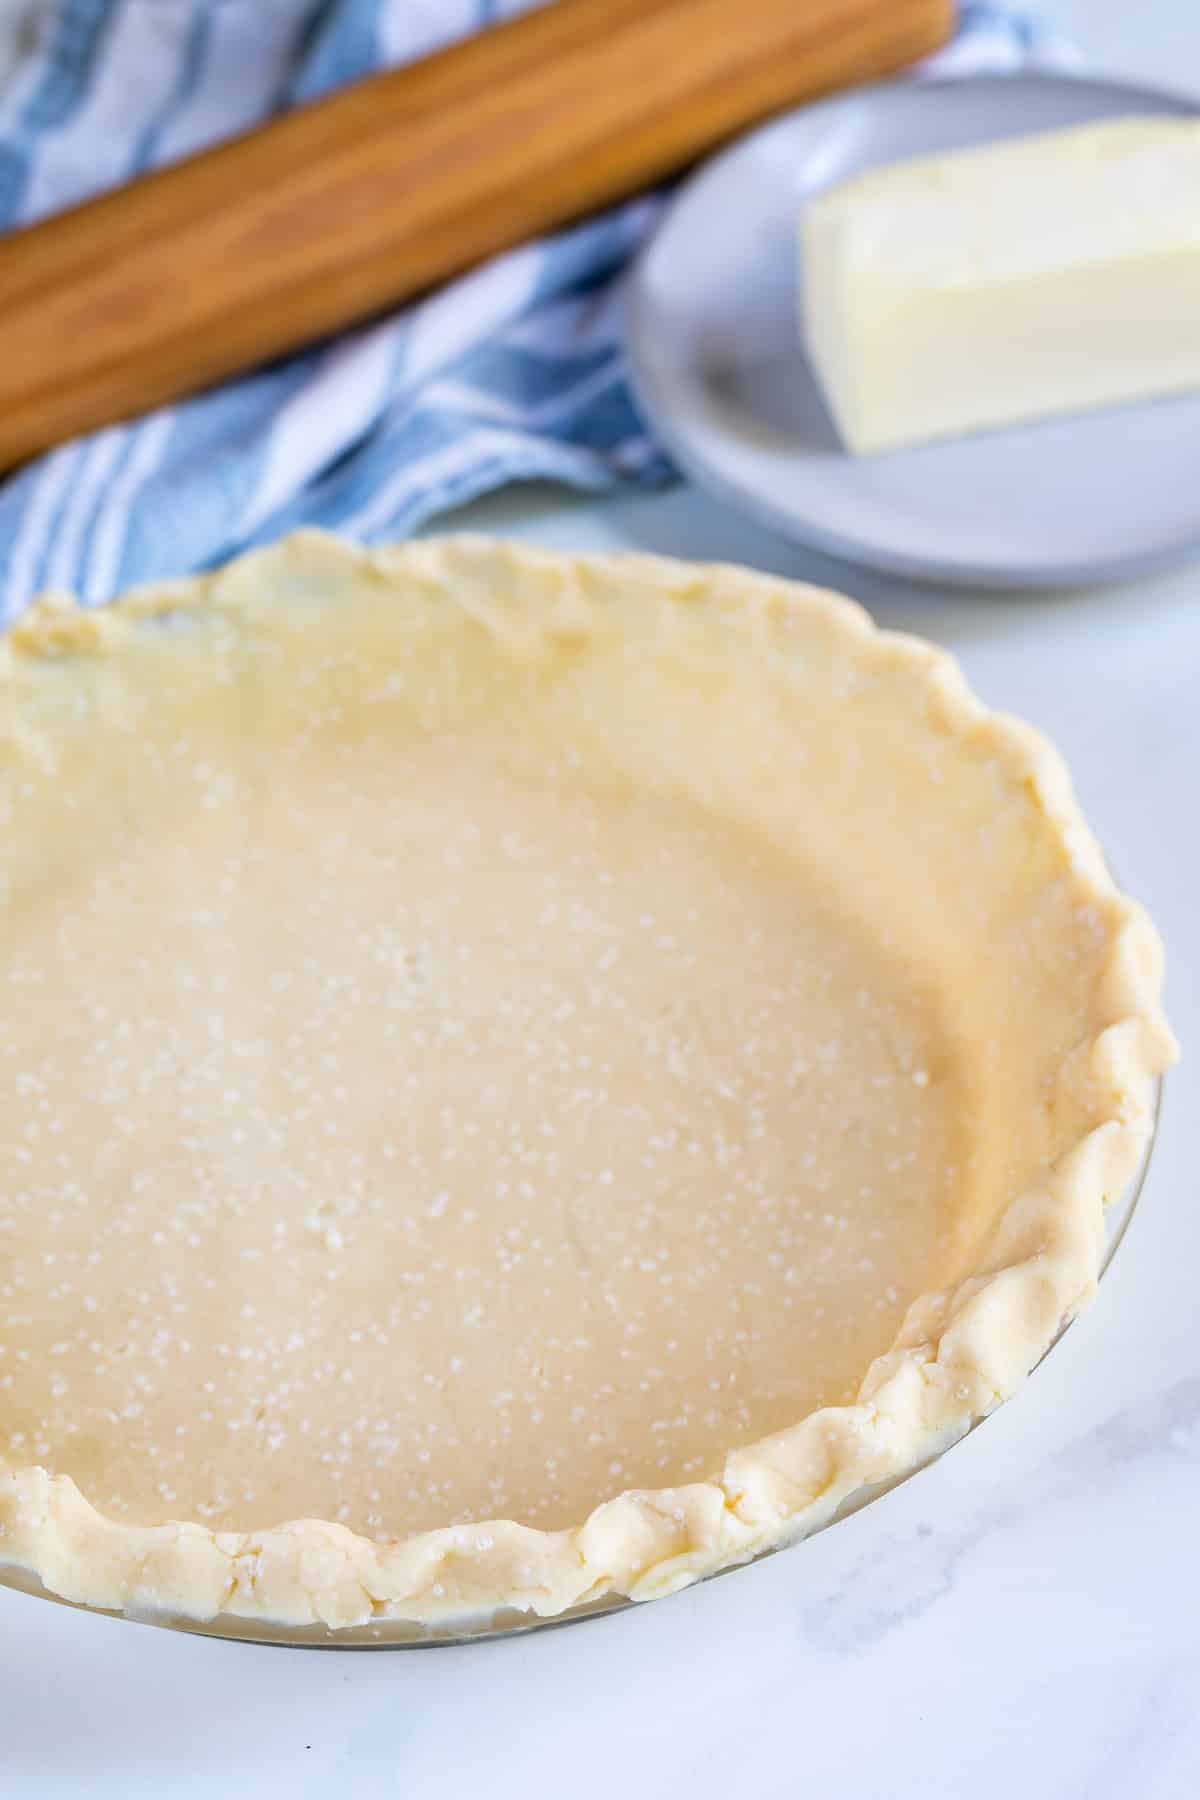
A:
715, 357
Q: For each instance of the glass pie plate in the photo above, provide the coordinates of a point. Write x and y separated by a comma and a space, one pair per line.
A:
398, 1634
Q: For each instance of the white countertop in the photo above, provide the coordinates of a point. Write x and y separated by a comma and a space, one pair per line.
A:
1021, 1619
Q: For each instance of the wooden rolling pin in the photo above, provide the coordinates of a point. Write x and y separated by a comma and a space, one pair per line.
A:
342, 208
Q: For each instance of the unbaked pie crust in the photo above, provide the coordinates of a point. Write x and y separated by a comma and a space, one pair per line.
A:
494, 1036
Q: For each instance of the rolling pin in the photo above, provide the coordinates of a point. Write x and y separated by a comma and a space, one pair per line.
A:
347, 206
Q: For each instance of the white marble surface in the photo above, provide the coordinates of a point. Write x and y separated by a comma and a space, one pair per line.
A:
1021, 1619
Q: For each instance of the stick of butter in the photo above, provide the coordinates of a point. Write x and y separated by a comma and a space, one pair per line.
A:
1041, 275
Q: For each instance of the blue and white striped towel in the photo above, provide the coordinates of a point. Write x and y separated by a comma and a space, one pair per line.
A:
513, 371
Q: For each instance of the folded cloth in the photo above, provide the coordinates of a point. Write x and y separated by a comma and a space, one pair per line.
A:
514, 371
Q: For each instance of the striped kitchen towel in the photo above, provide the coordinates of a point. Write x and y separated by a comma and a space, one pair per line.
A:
513, 371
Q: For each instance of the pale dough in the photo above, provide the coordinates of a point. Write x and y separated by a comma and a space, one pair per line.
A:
461, 1061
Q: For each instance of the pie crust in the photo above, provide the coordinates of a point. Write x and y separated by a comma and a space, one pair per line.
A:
617, 1043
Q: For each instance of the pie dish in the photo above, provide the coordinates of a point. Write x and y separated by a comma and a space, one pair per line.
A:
526, 1078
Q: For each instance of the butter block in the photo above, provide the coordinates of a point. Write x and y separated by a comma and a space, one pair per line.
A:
1007, 282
